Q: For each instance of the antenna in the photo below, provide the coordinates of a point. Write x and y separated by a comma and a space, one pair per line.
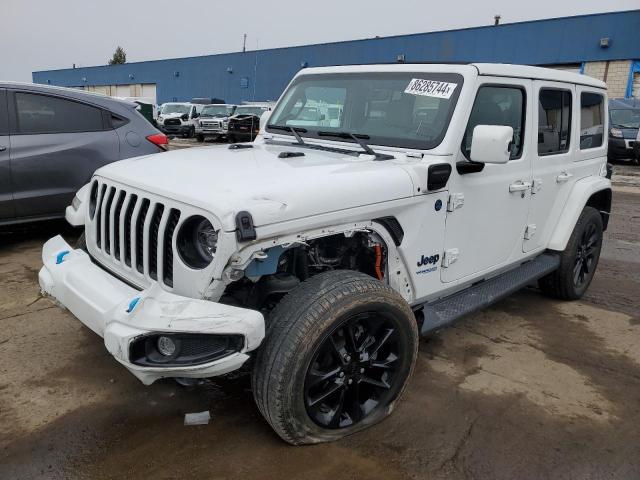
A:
496, 19
244, 43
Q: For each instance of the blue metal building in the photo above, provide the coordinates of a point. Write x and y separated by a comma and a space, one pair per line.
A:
572, 42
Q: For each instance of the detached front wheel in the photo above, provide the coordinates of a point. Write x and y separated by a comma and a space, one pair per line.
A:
339, 350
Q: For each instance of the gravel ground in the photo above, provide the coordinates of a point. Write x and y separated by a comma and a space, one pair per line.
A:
530, 388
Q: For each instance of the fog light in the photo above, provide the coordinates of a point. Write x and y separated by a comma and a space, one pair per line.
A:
166, 346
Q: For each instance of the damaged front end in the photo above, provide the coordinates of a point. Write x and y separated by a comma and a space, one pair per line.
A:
153, 333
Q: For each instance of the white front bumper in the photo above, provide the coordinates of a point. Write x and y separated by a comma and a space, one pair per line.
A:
100, 301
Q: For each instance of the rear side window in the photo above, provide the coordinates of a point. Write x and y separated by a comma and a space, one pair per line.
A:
498, 105
46, 114
554, 121
591, 120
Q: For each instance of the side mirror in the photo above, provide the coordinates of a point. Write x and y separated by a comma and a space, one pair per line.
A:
491, 144
185, 116
196, 115
264, 120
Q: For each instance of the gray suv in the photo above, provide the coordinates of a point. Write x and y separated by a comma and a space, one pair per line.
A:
52, 139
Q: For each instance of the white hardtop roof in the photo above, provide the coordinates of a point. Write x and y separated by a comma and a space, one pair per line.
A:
537, 73
493, 69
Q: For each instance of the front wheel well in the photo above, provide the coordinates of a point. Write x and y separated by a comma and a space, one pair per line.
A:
265, 283
601, 201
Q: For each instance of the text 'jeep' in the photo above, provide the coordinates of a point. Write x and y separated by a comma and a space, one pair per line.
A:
378, 203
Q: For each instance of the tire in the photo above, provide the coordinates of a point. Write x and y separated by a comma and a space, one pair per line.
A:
191, 133
81, 243
578, 261
231, 138
200, 138
309, 328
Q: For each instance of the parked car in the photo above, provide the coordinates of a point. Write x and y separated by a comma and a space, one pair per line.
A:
432, 197
177, 118
52, 139
244, 125
147, 108
214, 121
624, 129
206, 100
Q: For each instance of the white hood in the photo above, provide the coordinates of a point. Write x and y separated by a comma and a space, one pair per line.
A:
225, 181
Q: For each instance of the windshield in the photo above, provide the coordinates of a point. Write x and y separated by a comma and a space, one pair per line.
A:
217, 111
175, 108
625, 118
257, 111
409, 110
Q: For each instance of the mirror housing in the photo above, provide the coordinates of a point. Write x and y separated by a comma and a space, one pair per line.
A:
264, 119
491, 144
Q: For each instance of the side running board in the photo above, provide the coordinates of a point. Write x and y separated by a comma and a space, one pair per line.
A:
445, 311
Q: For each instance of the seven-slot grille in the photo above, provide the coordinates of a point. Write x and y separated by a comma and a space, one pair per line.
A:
136, 232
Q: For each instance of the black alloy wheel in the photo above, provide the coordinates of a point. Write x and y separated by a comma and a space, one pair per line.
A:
353, 370
585, 262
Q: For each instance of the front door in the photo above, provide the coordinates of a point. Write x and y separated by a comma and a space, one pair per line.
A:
6, 191
488, 209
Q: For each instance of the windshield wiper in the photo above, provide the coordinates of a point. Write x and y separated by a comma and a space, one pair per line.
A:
358, 138
294, 130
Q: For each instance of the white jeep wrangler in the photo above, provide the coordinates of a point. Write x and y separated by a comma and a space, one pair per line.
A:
319, 254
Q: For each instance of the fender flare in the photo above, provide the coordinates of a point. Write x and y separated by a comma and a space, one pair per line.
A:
578, 198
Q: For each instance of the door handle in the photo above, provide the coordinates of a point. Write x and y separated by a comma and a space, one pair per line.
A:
563, 177
519, 186
2, 148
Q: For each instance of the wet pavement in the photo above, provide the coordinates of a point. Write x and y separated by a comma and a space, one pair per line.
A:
530, 388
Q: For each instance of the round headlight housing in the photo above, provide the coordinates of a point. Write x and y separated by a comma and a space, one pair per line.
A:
197, 242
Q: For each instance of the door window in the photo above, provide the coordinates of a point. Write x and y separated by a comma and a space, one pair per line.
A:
38, 114
591, 120
4, 118
498, 105
554, 121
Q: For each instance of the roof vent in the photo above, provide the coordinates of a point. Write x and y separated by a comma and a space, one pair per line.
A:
605, 42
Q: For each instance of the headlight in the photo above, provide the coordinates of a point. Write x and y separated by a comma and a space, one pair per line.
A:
616, 132
197, 242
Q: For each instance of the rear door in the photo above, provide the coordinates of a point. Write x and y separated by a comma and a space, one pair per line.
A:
6, 192
56, 145
553, 168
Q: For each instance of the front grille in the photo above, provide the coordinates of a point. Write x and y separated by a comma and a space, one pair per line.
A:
136, 232
172, 121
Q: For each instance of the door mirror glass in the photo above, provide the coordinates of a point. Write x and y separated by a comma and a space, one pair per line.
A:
491, 144
264, 119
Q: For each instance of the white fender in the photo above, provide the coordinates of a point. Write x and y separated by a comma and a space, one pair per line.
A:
74, 213
580, 194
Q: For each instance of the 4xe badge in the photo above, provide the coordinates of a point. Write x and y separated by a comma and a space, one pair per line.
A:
425, 261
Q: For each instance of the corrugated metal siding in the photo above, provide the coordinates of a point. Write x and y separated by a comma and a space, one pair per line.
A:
555, 41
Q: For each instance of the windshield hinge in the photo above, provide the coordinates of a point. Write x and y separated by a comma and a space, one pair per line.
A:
456, 200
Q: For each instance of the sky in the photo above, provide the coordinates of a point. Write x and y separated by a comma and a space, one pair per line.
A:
52, 34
